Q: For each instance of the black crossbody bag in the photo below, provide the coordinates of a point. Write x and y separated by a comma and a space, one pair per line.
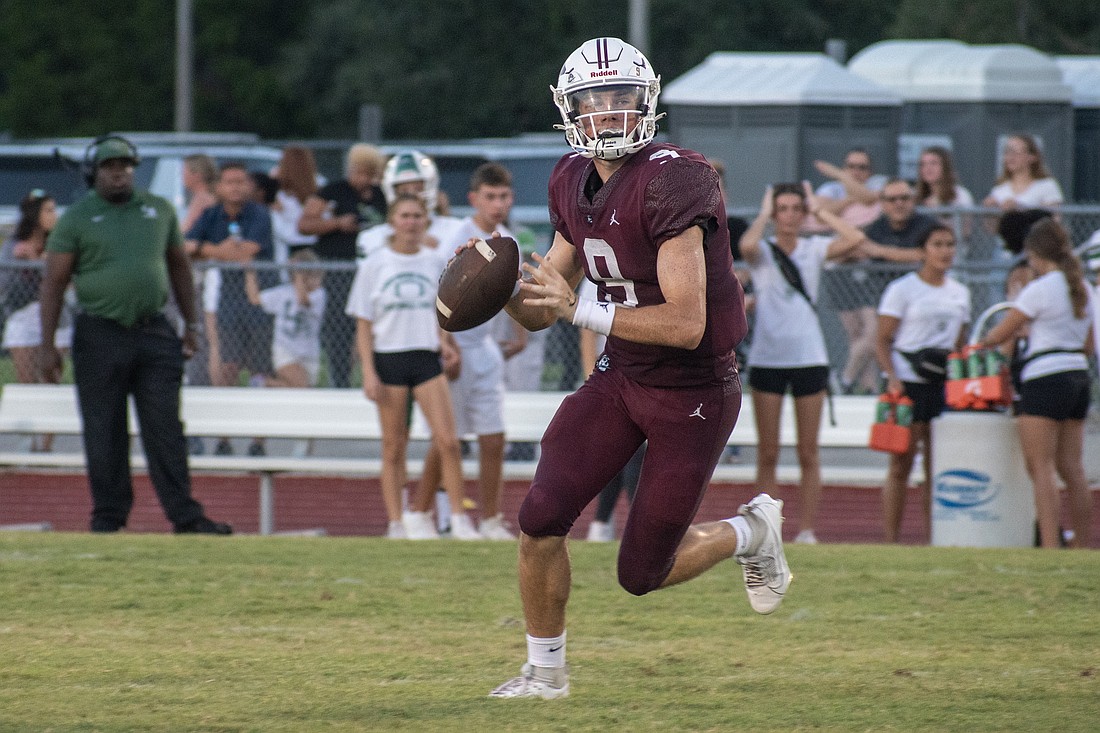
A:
790, 273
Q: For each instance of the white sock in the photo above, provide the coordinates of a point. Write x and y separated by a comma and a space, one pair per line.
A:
744, 533
546, 652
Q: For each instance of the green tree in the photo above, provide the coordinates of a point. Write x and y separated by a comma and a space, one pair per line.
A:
78, 68
1066, 27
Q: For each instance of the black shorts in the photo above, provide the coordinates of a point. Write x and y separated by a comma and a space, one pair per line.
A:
1060, 396
407, 368
802, 381
928, 398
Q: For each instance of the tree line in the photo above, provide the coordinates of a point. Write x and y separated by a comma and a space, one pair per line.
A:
436, 68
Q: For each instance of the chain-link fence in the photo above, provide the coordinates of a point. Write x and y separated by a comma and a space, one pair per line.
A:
551, 360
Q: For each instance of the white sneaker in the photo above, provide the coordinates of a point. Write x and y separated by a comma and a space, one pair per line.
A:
601, 531
547, 683
806, 537
419, 526
462, 527
766, 573
493, 529
396, 531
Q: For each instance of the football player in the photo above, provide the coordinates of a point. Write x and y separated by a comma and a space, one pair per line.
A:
645, 222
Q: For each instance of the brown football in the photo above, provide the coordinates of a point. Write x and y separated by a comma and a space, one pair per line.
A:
477, 283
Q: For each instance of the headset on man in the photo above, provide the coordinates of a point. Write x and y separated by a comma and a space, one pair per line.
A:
88, 166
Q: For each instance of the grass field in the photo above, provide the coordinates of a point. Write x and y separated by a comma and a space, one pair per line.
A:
163, 633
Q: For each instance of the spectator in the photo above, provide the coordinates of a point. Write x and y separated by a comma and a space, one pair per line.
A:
264, 188
922, 317
297, 177
938, 186
123, 249
298, 307
900, 229
236, 230
788, 347
852, 194
199, 175
335, 215
400, 346
937, 183
1013, 228
19, 293
477, 394
1054, 394
1024, 182
412, 172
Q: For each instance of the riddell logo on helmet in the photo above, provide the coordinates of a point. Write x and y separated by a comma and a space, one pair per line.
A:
609, 72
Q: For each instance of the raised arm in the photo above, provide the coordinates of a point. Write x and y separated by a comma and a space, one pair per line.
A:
750, 240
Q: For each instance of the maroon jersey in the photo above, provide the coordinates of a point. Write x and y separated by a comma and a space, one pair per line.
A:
657, 194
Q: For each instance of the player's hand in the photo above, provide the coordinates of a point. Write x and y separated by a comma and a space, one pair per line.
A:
190, 343
451, 359
48, 360
894, 386
547, 288
472, 241
372, 386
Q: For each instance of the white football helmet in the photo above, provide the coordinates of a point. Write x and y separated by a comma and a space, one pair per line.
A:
410, 166
607, 81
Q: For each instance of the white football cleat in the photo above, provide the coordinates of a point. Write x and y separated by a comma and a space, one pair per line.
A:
766, 573
805, 537
396, 531
546, 683
493, 529
419, 526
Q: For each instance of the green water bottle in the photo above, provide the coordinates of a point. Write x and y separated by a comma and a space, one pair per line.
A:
905, 412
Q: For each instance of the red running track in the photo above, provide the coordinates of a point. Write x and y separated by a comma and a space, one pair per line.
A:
351, 507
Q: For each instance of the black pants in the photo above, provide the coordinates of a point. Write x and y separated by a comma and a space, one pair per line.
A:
146, 361
338, 328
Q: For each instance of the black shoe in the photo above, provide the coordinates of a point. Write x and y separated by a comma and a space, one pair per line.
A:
203, 525
105, 526
223, 448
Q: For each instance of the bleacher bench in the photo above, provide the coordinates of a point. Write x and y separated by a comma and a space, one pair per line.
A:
346, 414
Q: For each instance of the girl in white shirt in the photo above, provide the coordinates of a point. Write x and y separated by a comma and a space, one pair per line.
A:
402, 350
1054, 393
1025, 182
926, 309
788, 348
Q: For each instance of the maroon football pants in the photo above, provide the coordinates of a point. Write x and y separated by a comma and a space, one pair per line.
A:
596, 431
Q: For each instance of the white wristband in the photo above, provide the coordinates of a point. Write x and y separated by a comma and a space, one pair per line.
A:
594, 316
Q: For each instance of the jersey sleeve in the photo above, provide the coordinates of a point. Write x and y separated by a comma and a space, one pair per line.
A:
893, 301
683, 194
64, 236
1030, 299
359, 303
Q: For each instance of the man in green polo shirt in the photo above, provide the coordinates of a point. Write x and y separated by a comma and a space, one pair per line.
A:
122, 249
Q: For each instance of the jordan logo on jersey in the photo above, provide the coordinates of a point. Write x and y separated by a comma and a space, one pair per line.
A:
613, 219
698, 412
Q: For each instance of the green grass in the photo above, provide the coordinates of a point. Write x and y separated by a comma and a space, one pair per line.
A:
162, 633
